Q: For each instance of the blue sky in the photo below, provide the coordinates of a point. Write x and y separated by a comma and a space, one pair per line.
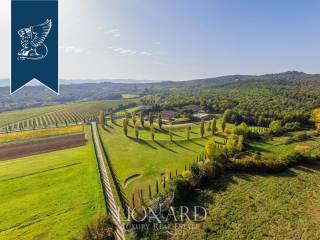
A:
178, 40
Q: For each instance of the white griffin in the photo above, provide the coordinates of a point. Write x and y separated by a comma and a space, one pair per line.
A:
32, 39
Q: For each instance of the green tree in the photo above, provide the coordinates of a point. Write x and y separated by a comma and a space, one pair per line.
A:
150, 118
212, 149
136, 130
240, 146
152, 132
134, 118
208, 126
125, 127
142, 119
160, 120
242, 129
101, 117
111, 116
127, 116
170, 133
223, 123
213, 126
20, 126
231, 144
202, 128
188, 132
275, 127
227, 115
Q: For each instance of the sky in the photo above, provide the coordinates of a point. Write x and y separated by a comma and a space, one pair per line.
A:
179, 40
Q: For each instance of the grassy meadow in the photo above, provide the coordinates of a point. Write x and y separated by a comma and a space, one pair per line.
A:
282, 146
139, 163
50, 196
263, 206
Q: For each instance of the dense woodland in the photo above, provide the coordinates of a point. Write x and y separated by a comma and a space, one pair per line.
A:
289, 97
256, 100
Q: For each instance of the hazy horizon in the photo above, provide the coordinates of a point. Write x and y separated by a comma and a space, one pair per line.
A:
171, 40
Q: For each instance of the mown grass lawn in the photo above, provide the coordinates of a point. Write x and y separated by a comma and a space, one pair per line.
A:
50, 196
248, 206
149, 160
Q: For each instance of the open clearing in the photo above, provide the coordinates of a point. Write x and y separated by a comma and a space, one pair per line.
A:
50, 196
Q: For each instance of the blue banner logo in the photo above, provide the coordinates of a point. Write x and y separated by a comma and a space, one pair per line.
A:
34, 43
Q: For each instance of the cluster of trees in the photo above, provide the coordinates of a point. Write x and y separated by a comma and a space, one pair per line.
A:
134, 119
288, 97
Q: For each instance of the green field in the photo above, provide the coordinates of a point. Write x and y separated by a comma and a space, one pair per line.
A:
279, 146
146, 161
246, 206
50, 196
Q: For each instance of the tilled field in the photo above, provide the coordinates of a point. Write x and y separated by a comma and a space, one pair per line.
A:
27, 149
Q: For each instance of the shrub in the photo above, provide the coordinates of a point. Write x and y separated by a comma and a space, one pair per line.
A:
101, 228
182, 189
271, 165
302, 136
186, 174
275, 128
292, 126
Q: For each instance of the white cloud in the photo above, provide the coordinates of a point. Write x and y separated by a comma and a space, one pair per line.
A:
145, 53
114, 32
72, 49
110, 31
125, 51
135, 52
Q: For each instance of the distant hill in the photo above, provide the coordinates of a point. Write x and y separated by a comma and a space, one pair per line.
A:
6, 82
76, 90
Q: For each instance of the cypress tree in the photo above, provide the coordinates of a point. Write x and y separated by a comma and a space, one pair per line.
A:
188, 132
136, 129
142, 119
202, 128
125, 127
157, 187
160, 120
150, 195
213, 126
133, 203
152, 132
134, 118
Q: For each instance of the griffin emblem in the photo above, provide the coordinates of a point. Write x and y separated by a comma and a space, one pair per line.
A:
32, 41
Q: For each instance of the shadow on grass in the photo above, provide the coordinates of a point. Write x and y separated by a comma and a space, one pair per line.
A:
165, 147
184, 147
194, 142
142, 141
258, 149
105, 127
117, 124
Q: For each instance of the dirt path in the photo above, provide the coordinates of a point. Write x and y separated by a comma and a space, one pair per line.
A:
112, 205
